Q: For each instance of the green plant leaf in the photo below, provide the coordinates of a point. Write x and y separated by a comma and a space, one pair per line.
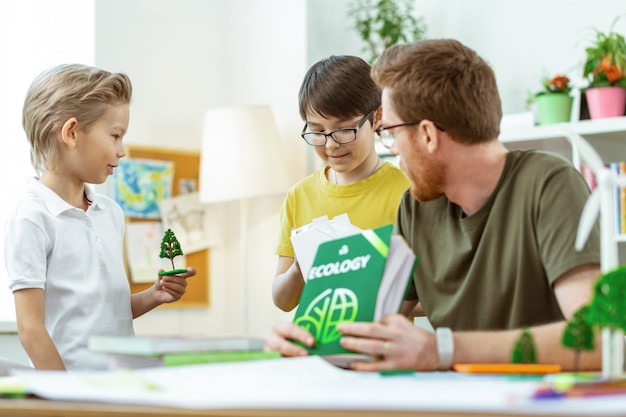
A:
609, 45
383, 23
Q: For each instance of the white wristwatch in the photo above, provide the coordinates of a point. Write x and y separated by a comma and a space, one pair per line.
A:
445, 347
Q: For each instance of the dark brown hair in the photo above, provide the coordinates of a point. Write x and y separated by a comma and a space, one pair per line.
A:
339, 86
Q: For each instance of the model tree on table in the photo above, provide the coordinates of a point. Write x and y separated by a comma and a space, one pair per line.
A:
578, 334
170, 248
524, 349
608, 311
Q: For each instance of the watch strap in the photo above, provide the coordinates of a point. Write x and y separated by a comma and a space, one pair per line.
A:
445, 347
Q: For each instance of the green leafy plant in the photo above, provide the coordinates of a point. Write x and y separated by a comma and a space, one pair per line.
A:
605, 64
524, 349
170, 248
382, 23
578, 334
607, 311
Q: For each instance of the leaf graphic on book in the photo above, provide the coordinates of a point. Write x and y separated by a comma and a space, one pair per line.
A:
326, 311
350, 280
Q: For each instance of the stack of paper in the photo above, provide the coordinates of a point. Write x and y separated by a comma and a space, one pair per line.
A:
307, 238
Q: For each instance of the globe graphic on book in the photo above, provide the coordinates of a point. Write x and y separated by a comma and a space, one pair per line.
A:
326, 311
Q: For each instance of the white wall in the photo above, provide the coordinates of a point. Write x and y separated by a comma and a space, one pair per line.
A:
24, 53
523, 40
184, 57
529, 40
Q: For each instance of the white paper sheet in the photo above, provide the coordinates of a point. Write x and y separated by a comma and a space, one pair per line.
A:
306, 239
307, 383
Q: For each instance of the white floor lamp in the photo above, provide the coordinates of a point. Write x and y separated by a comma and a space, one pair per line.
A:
242, 159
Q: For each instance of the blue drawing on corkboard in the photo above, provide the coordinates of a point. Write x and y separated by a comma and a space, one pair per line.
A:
140, 184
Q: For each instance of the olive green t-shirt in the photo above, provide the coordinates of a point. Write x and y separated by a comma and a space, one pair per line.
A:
495, 269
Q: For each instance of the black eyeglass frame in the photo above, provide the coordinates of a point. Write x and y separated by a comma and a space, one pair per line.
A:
381, 129
326, 135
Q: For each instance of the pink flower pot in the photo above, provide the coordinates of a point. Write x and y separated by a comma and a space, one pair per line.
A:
606, 102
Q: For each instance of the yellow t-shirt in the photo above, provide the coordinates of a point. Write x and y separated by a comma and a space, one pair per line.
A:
370, 203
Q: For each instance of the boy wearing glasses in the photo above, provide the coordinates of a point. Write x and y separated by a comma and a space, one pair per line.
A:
494, 229
340, 106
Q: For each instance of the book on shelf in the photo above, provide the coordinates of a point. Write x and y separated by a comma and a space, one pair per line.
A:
619, 208
359, 277
622, 200
147, 351
589, 175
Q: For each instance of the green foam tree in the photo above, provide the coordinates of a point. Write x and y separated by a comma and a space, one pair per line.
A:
170, 248
607, 311
524, 348
578, 334
608, 306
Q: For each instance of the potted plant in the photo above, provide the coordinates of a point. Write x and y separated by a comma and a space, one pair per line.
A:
382, 23
554, 102
604, 69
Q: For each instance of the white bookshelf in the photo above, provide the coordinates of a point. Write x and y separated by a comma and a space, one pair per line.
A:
613, 127
607, 136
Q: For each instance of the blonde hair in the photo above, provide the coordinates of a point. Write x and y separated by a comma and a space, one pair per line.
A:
63, 92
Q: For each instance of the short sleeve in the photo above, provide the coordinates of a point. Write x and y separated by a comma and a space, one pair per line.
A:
25, 253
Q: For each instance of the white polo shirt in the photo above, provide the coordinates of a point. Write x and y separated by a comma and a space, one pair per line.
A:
76, 257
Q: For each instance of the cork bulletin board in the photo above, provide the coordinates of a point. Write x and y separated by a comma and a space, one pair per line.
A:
186, 176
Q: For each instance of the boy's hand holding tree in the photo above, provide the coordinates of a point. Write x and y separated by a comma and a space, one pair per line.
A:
170, 248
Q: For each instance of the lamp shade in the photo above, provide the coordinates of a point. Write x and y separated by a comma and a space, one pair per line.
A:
242, 155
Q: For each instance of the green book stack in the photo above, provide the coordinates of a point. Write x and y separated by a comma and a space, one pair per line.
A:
360, 277
118, 361
146, 352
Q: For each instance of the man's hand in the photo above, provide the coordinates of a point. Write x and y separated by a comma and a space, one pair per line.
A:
394, 343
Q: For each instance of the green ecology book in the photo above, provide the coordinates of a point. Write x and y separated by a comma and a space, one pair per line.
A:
360, 277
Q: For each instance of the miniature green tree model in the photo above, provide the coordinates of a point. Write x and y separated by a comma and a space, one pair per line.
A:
578, 334
608, 311
524, 349
170, 248
608, 307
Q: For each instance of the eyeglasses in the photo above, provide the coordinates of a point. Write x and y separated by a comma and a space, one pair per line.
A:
340, 136
386, 137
